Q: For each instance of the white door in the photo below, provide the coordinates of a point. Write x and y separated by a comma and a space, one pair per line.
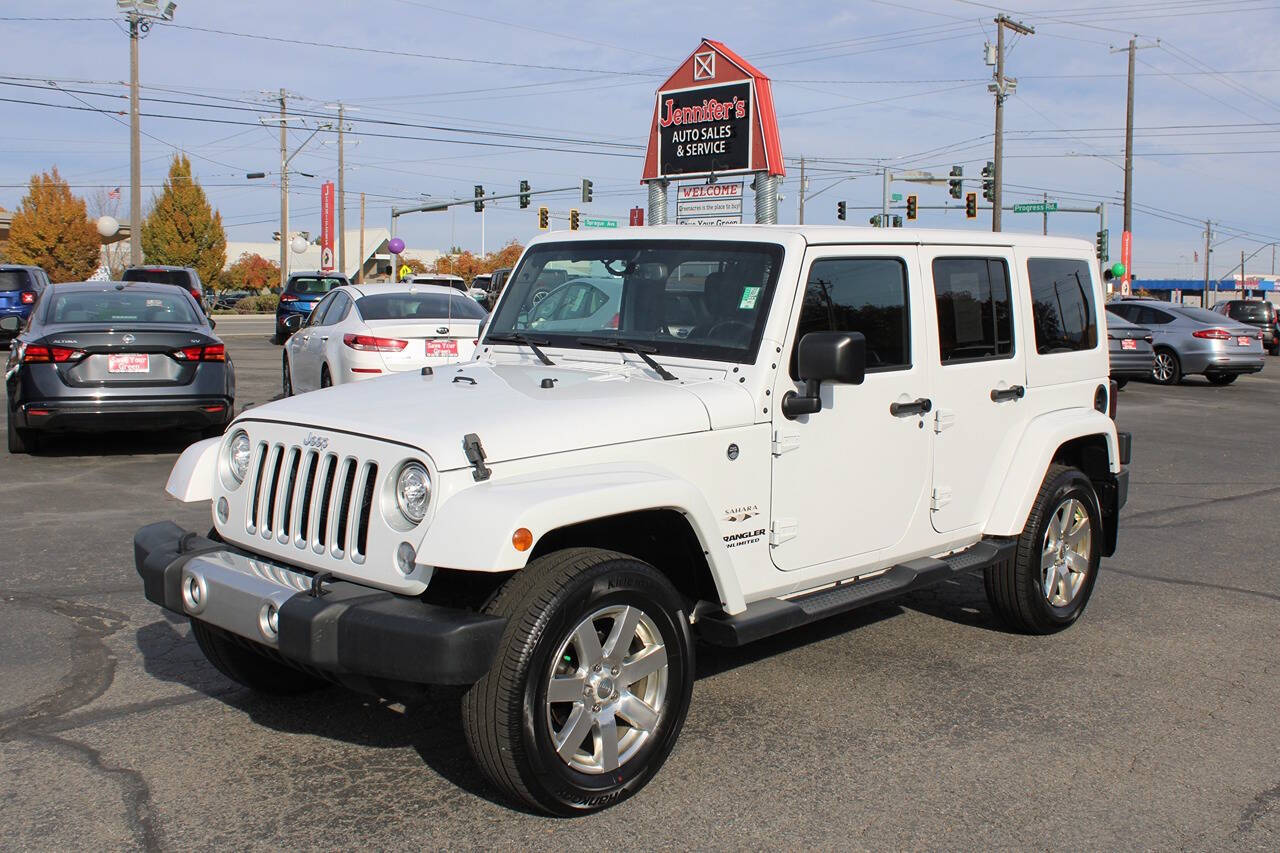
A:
975, 352
848, 480
304, 355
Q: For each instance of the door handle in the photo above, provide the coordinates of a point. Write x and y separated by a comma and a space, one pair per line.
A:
324, 338
919, 406
1013, 392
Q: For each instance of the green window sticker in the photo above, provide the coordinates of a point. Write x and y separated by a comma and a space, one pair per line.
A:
748, 300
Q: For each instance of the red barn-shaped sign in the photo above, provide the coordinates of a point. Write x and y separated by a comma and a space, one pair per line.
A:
714, 116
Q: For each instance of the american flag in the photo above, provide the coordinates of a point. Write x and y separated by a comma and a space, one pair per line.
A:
115, 193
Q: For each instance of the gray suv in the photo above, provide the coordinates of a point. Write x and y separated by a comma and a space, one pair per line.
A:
1191, 340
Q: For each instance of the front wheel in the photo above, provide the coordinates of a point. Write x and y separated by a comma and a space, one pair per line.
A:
1166, 370
1047, 584
591, 684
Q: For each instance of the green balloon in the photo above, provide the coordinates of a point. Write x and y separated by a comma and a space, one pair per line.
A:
1117, 269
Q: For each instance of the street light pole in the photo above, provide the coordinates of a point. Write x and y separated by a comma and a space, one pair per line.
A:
284, 195
135, 148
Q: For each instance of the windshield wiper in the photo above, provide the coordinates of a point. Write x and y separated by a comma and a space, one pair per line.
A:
517, 338
641, 350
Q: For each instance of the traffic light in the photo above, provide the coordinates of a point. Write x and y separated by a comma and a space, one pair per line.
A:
573, 219
1103, 247
586, 190
841, 211
956, 185
544, 219
912, 207
989, 181
897, 221
479, 203
971, 206
524, 194
874, 220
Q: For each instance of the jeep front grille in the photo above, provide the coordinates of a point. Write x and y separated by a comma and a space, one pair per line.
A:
312, 499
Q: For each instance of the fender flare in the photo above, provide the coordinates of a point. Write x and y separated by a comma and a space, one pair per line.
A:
471, 530
1041, 440
194, 474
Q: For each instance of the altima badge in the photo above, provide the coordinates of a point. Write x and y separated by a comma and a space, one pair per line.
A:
127, 339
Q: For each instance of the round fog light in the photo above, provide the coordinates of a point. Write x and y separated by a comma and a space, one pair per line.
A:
405, 555
194, 593
223, 510
269, 621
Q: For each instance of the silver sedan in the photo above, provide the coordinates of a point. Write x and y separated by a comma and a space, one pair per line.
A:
1190, 340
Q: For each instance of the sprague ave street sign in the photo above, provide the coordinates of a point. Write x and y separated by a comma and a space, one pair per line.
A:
599, 223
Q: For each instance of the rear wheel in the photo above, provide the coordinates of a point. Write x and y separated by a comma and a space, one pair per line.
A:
1221, 378
250, 668
590, 686
286, 381
325, 379
21, 440
1166, 370
1120, 383
1046, 586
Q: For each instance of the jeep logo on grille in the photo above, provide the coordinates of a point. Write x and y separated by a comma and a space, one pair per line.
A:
319, 442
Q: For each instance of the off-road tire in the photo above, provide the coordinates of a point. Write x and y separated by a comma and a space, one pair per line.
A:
1014, 586
249, 668
505, 716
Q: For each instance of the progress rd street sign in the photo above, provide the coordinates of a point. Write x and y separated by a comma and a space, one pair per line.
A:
1036, 207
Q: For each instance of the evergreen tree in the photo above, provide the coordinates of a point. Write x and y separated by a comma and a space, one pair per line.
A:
51, 229
182, 229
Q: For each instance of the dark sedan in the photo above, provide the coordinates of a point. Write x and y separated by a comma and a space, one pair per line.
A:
1130, 348
115, 355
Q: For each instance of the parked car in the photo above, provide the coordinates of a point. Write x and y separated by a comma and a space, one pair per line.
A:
479, 290
441, 279
1255, 312
302, 292
497, 279
361, 333
185, 277
226, 299
1130, 348
580, 303
863, 413
108, 355
20, 289
1190, 340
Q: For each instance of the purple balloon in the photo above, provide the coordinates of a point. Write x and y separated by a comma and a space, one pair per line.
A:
396, 245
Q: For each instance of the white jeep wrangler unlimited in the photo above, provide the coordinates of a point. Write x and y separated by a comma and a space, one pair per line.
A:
711, 432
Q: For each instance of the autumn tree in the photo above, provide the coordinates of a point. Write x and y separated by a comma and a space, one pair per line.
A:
251, 271
182, 229
51, 229
469, 265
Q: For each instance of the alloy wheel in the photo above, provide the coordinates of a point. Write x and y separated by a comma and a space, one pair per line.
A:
1064, 558
1163, 367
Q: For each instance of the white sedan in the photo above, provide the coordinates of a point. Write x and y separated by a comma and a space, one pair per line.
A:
361, 332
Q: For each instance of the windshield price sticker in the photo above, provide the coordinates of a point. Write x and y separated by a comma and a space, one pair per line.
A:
705, 130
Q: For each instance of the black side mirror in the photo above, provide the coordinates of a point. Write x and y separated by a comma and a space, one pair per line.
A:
10, 324
293, 322
825, 357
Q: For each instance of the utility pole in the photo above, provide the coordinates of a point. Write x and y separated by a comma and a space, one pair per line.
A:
1126, 238
1244, 290
284, 195
1045, 229
360, 271
1002, 88
1208, 236
135, 149
801, 191
342, 202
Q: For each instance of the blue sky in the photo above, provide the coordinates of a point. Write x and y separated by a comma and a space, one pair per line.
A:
865, 83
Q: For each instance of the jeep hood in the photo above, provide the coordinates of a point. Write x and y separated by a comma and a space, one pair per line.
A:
514, 416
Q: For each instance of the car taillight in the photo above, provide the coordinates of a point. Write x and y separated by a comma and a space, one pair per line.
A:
1212, 334
28, 297
213, 352
288, 297
613, 322
368, 343
40, 354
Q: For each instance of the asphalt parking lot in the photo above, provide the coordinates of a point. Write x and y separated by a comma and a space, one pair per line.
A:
1150, 724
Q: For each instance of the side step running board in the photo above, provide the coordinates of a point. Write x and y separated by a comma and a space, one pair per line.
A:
774, 615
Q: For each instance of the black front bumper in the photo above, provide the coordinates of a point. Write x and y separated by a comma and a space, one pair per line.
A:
346, 630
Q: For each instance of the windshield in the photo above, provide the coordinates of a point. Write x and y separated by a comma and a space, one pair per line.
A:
13, 280
179, 277
311, 285
122, 306
695, 298
417, 306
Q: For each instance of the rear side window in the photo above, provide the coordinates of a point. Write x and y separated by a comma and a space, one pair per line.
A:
15, 280
975, 310
867, 295
1062, 304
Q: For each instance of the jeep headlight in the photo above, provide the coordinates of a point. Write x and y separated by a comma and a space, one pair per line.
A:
238, 451
413, 491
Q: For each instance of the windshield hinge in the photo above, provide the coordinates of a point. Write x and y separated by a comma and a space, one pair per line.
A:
474, 450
